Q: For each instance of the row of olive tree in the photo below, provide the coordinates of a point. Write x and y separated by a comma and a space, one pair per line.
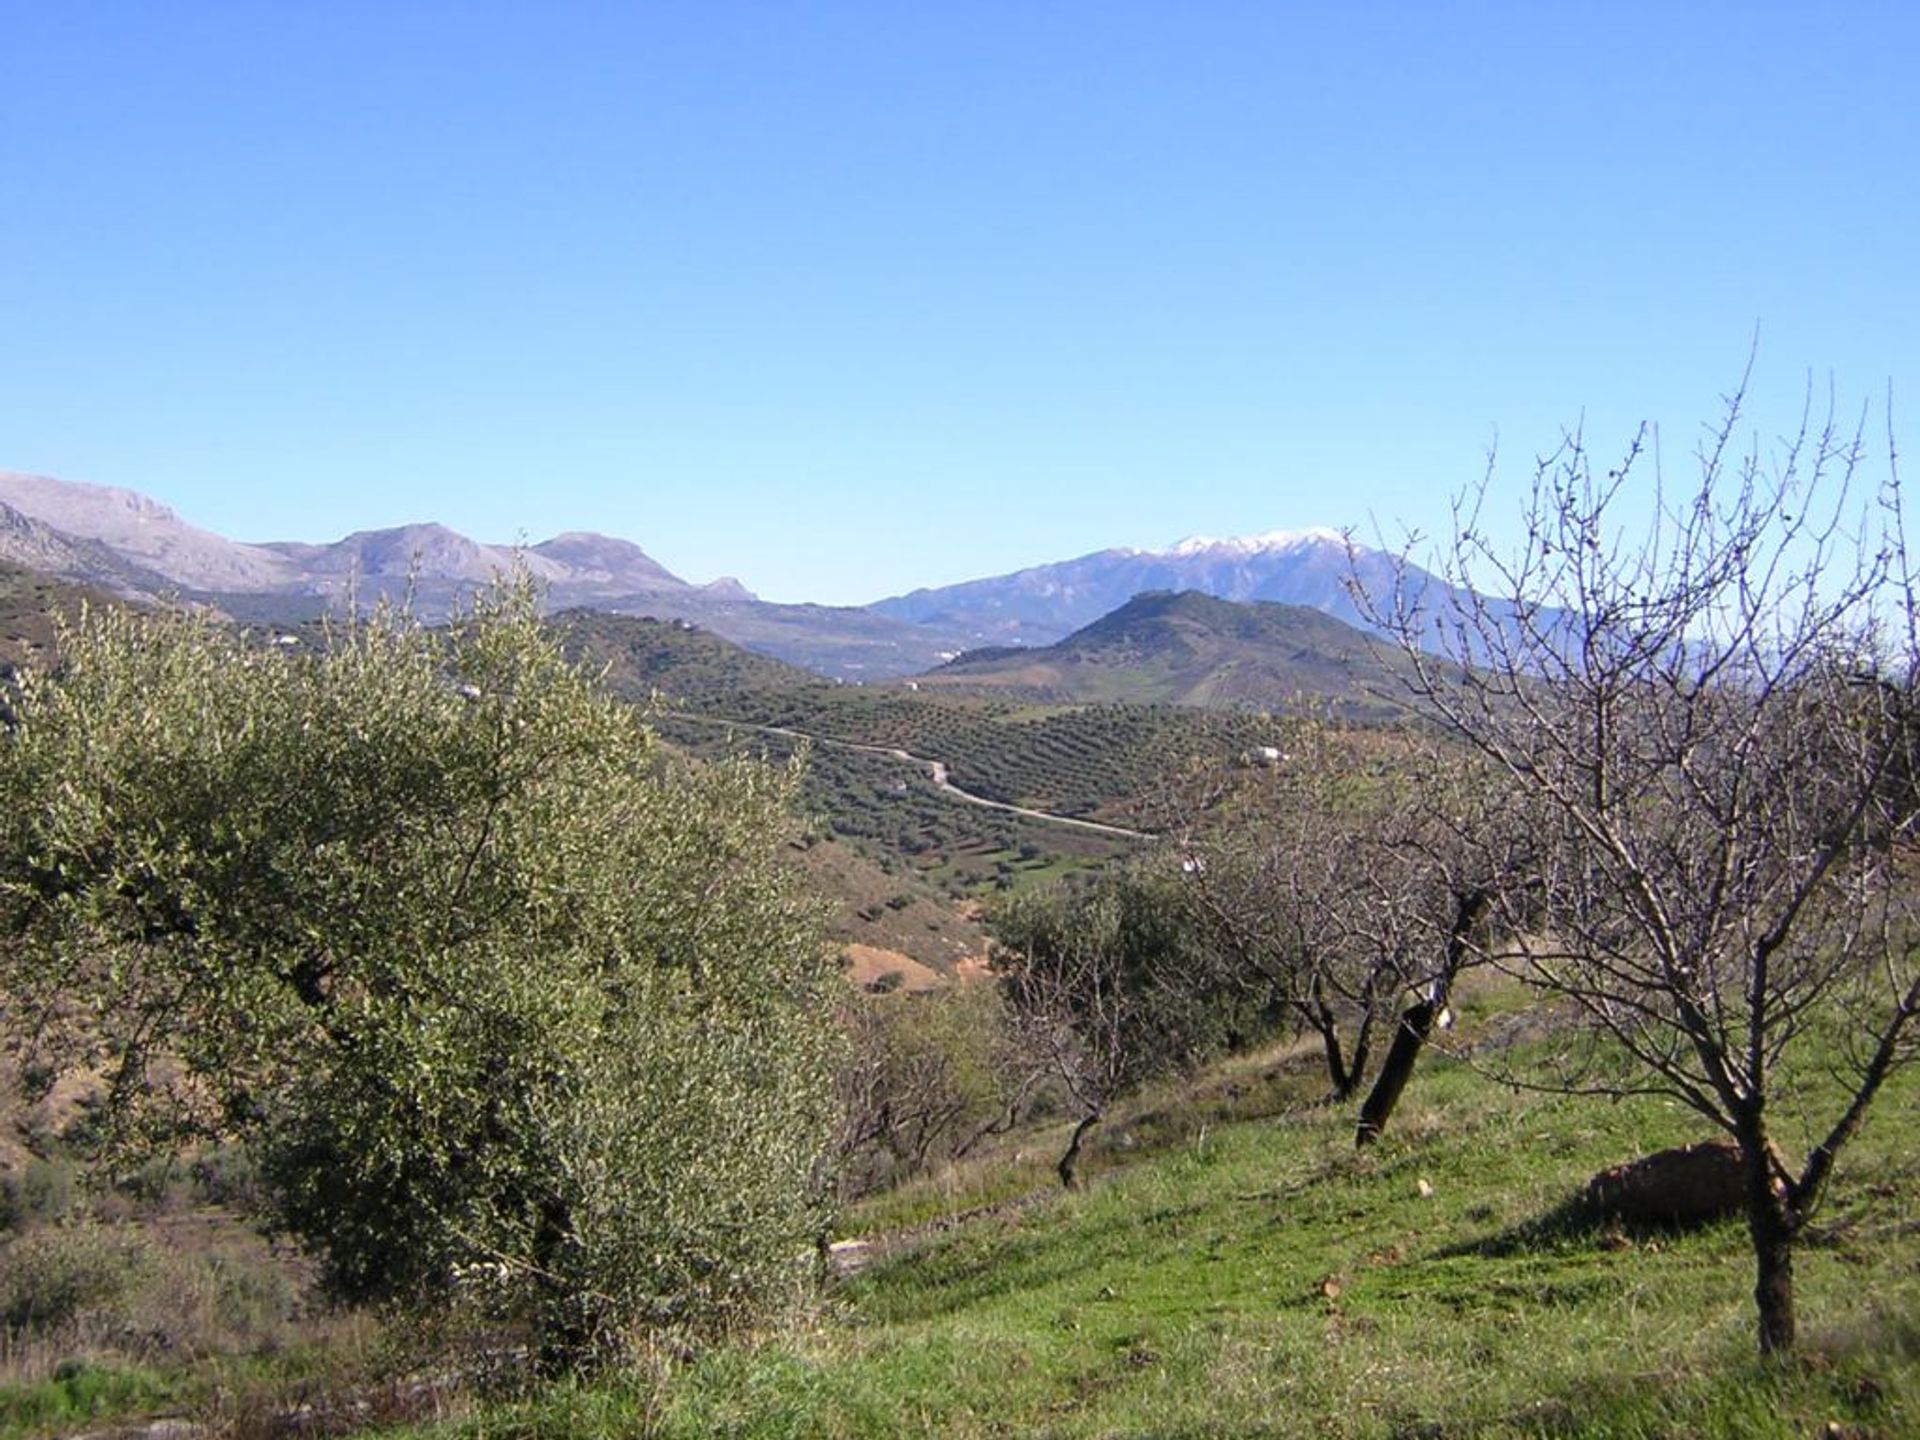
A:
516, 1010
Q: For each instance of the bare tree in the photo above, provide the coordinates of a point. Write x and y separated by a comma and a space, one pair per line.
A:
1105, 991
923, 1080
1282, 871
1709, 719
1348, 884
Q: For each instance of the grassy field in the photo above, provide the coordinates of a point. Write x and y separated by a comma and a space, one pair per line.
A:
1233, 1268
1236, 1268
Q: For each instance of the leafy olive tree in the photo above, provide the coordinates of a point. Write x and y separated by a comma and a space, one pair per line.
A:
517, 1010
1708, 721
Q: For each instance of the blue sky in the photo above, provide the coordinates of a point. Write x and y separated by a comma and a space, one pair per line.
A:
847, 298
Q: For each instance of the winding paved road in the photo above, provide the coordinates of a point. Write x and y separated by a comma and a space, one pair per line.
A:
937, 769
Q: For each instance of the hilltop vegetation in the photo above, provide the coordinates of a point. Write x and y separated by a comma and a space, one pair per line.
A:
1187, 648
32, 606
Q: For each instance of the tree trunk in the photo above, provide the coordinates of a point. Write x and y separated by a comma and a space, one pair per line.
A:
1362, 1050
1770, 1223
1415, 1025
1066, 1168
1773, 1285
1342, 1079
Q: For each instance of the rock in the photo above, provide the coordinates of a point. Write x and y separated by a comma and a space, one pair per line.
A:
165, 1428
1687, 1185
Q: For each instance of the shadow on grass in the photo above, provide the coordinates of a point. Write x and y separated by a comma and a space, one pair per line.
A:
1574, 1220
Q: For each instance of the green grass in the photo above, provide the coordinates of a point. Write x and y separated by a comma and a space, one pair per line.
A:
1241, 1276
80, 1392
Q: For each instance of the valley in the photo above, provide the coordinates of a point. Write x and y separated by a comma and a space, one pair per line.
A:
861, 721
1126, 924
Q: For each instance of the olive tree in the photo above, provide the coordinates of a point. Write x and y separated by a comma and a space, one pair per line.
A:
516, 1009
1708, 720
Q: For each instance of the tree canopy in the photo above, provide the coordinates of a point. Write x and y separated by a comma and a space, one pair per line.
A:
517, 1009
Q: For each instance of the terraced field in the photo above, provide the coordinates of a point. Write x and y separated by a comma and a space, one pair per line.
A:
1088, 761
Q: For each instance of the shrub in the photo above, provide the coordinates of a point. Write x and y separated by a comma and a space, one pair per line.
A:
54, 1276
511, 1007
40, 1190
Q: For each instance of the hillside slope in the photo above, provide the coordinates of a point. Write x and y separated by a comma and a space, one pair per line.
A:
32, 605
1237, 1269
1193, 649
675, 659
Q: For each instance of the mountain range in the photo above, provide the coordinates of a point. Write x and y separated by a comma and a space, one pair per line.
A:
1046, 602
129, 544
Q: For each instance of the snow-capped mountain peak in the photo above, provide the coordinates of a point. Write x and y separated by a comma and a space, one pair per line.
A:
1272, 541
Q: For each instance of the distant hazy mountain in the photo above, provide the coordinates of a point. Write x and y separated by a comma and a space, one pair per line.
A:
128, 543
618, 565
135, 545
1187, 648
36, 546
430, 552
1041, 604
144, 535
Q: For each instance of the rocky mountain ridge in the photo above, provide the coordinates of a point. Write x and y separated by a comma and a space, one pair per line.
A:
1044, 603
133, 545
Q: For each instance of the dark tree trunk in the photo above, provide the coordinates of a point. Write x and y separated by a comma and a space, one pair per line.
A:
567, 1333
1773, 1283
1770, 1223
1415, 1025
1342, 1078
1069, 1176
1362, 1051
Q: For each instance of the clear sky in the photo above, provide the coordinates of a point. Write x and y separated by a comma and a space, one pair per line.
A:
845, 298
